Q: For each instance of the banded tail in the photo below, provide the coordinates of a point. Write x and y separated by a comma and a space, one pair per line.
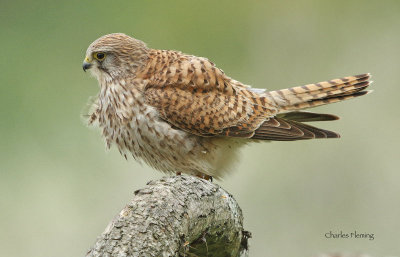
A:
321, 93
288, 124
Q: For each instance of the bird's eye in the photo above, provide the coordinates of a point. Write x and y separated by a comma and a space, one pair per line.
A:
100, 56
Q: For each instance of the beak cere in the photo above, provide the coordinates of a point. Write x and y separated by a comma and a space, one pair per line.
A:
86, 66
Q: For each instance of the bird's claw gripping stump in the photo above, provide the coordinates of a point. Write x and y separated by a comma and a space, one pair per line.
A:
176, 216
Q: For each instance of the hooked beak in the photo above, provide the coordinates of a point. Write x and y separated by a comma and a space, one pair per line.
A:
86, 64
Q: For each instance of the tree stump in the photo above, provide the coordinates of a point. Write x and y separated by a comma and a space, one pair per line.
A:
176, 216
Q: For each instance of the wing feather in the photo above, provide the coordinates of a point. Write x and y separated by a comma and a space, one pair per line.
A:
195, 96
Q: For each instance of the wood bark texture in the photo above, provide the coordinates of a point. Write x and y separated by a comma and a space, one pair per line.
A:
176, 216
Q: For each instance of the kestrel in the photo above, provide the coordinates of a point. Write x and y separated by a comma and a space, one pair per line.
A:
180, 113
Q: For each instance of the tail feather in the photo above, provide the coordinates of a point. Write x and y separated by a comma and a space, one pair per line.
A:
321, 93
333, 91
288, 124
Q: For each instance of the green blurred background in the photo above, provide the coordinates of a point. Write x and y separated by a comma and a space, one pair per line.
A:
59, 188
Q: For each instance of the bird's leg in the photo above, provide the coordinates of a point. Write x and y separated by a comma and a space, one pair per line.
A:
199, 175
204, 176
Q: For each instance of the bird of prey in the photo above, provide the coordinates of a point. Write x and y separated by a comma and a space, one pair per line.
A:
180, 113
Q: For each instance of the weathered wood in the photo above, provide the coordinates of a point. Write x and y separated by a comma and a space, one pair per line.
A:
176, 216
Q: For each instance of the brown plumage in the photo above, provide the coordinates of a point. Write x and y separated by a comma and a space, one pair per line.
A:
180, 113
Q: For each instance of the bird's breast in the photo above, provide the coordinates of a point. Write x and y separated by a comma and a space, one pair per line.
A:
136, 129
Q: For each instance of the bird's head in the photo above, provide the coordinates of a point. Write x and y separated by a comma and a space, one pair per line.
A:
115, 55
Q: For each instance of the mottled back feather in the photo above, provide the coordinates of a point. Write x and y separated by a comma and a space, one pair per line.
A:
195, 96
